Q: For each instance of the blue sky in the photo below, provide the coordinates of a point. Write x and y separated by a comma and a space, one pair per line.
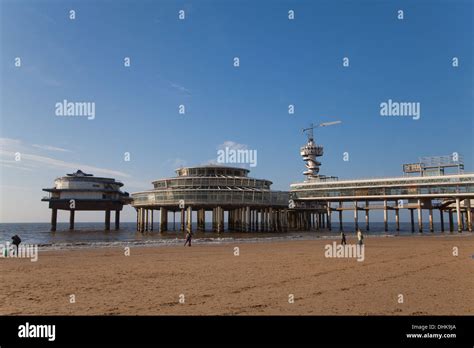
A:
190, 62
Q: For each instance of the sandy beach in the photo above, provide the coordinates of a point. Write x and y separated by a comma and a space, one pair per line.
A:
262, 280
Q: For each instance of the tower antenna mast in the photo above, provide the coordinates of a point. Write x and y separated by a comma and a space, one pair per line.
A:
311, 128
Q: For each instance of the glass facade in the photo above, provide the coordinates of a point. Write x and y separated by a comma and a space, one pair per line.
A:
212, 171
209, 197
212, 185
210, 182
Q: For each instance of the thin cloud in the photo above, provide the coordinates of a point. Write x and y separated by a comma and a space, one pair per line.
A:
175, 85
50, 148
11, 146
15, 166
175, 163
180, 88
232, 145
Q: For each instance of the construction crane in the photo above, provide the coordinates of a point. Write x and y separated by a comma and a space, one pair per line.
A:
311, 128
311, 151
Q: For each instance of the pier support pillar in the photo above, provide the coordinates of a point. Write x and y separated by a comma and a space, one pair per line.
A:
189, 219
203, 217
54, 219
431, 220
412, 220
138, 220
280, 220
117, 219
450, 217
235, 220
467, 204
238, 219
385, 215
329, 215
397, 218
107, 220
356, 220
257, 220
340, 217
247, 219
252, 219
269, 220
265, 218
256, 225
199, 221
220, 219
367, 227
163, 219
232, 220
250, 214
441, 219
213, 220
183, 218
150, 228
146, 219
420, 219
458, 214
71, 219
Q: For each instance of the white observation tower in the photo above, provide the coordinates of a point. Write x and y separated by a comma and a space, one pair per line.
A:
311, 151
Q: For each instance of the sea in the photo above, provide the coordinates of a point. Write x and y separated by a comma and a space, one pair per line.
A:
93, 235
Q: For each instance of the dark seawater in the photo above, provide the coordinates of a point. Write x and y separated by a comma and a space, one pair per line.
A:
93, 234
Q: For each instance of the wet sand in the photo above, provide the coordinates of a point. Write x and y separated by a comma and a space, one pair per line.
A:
260, 281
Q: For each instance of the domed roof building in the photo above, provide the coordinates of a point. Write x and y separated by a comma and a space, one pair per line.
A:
248, 203
81, 191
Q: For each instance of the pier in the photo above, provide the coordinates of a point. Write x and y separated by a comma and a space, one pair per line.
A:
84, 192
425, 186
234, 201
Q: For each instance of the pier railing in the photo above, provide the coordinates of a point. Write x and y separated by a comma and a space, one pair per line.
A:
212, 197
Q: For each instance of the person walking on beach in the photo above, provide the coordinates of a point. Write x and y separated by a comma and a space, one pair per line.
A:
16, 242
360, 237
343, 238
189, 236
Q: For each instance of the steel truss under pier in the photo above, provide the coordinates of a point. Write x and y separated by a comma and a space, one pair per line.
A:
239, 219
88, 205
243, 219
459, 206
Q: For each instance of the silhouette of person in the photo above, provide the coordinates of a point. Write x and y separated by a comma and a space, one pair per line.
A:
189, 236
16, 242
343, 238
360, 237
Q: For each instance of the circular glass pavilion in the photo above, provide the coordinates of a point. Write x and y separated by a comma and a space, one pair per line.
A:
249, 203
